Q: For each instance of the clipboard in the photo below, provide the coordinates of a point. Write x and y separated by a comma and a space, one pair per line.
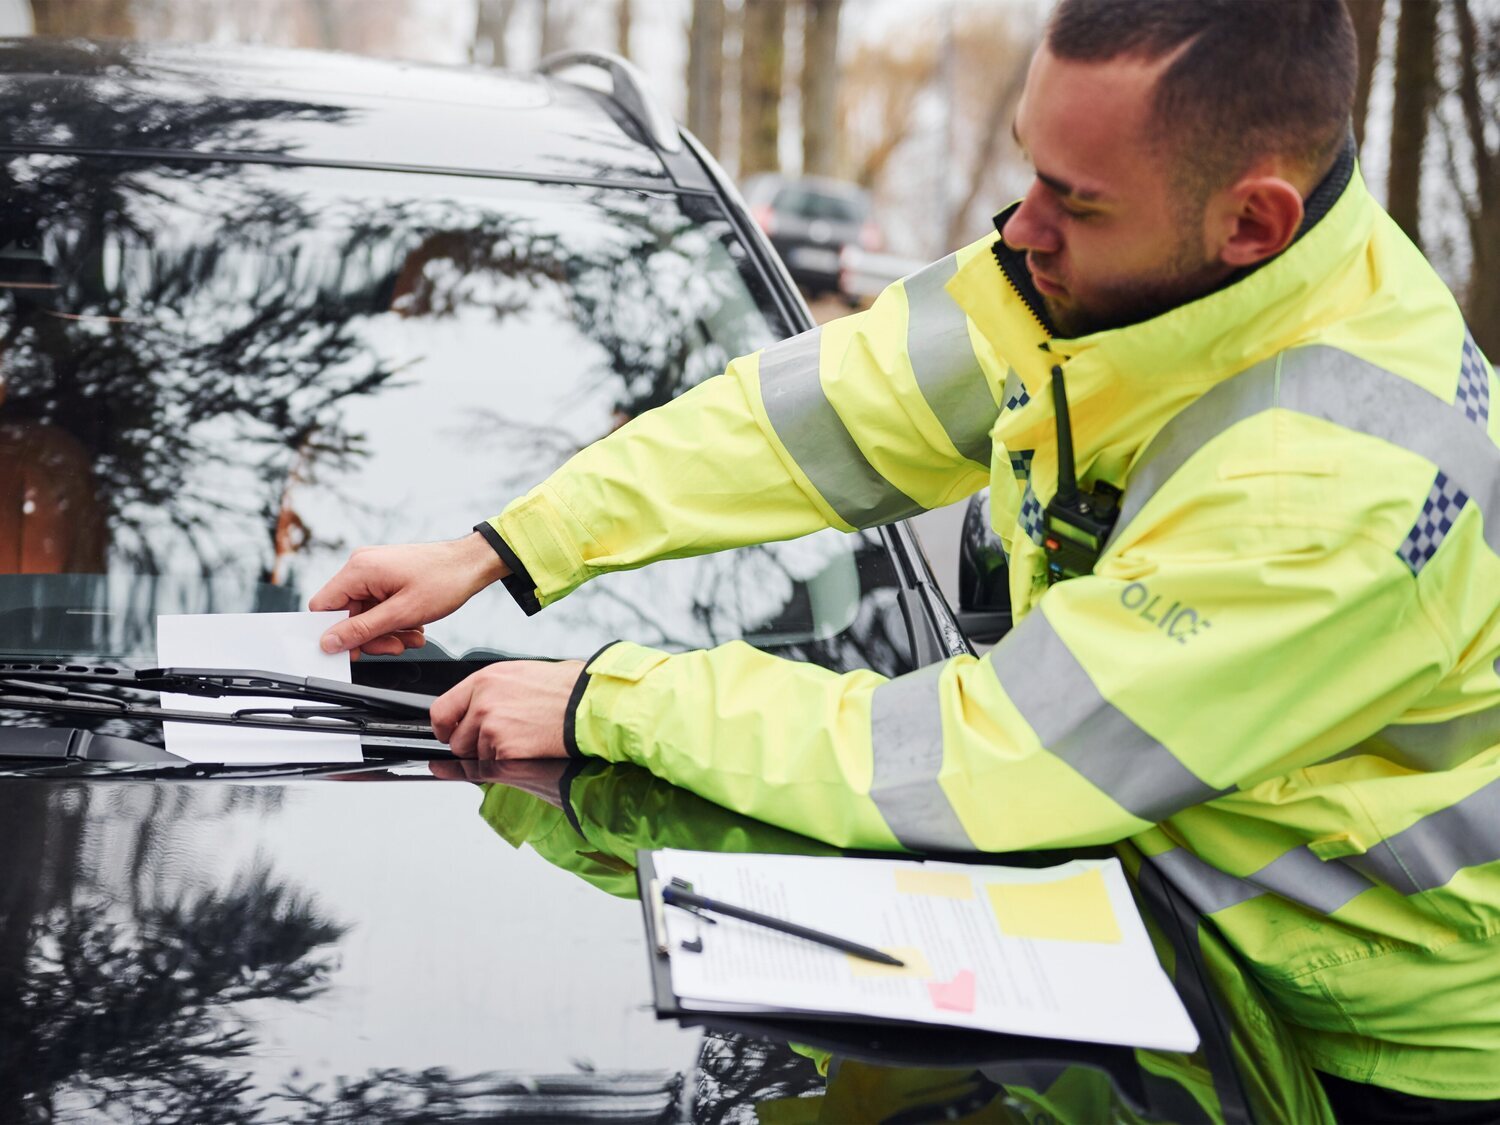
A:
882, 1042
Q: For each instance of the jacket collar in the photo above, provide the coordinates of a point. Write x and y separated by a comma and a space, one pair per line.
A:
1254, 314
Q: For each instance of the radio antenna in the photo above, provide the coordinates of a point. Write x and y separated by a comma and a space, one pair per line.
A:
1067, 474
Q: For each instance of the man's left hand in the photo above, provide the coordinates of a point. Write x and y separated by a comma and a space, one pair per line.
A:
514, 709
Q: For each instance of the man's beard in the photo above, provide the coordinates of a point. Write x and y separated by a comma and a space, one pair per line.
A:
1134, 300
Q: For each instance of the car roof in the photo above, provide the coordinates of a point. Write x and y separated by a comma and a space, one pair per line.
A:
315, 107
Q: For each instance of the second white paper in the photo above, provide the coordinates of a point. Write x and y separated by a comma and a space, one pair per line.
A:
266, 642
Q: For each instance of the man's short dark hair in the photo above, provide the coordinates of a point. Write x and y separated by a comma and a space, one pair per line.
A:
1253, 78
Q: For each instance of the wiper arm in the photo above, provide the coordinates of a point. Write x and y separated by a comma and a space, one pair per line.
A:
219, 682
71, 752
338, 707
72, 745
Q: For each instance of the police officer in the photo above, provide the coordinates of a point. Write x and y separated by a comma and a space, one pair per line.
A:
1279, 679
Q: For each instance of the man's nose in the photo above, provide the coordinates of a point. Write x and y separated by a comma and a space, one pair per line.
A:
1030, 228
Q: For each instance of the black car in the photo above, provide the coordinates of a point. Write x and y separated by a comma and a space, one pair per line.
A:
812, 221
256, 309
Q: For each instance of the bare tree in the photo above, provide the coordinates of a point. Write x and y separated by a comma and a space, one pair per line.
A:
1367, 16
762, 57
820, 77
1478, 83
622, 27
491, 19
110, 19
877, 102
551, 24
990, 57
705, 78
1416, 83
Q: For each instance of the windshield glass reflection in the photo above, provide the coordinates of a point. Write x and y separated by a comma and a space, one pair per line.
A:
218, 379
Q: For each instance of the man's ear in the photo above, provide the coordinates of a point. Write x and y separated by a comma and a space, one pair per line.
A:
1264, 215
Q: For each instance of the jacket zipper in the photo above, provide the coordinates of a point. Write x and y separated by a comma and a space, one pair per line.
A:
1013, 267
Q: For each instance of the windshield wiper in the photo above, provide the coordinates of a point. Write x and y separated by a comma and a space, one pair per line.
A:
71, 752
222, 682
328, 704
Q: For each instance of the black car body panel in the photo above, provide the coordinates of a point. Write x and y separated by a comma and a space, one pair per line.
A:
192, 948
273, 106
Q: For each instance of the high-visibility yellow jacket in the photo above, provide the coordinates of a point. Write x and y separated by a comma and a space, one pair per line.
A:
1280, 681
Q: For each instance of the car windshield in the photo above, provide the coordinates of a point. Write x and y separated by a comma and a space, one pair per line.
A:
219, 378
810, 203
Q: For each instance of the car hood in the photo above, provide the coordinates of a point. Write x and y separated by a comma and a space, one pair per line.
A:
237, 942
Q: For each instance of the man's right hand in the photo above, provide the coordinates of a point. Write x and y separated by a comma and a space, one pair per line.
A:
391, 592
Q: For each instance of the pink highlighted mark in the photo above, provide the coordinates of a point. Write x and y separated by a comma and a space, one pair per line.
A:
956, 995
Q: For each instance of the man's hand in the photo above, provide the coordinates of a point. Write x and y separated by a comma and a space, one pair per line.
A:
391, 592
514, 709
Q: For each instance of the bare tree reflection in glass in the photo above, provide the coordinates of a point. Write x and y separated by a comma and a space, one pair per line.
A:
118, 1012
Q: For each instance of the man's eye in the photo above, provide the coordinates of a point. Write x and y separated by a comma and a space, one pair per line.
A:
1081, 216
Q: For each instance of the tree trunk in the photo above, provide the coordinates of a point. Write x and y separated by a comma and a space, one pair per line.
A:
762, 55
705, 73
1416, 36
1479, 64
820, 80
491, 18
551, 28
1366, 15
1482, 298
705, 77
104, 19
622, 28
1006, 92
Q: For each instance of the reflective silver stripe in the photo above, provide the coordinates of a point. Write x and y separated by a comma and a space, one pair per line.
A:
1298, 876
1432, 851
1321, 885
1201, 883
1216, 410
1326, 383
1423, 857
1433, 746
943, 360
1077, 724
814, 435
906, 732
1340, 388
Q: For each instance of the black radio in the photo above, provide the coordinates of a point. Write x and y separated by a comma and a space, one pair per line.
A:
1076, 523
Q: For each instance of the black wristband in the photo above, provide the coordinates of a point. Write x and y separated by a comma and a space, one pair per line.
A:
518, 582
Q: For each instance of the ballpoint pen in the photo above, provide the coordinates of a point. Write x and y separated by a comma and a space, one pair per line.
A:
676, 893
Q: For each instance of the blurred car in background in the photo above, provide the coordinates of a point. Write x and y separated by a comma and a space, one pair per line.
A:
810, 221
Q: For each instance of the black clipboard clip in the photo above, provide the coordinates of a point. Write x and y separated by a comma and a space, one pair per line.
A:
659, 905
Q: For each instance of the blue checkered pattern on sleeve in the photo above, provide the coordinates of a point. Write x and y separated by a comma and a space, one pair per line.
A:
1444, 502
1473, 384
1015, 392
1031, 516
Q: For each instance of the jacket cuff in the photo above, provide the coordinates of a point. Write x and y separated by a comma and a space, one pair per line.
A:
570, 716
602, 720
518, 582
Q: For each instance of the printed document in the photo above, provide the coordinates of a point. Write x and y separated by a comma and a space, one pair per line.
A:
1059, 952
265, 642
